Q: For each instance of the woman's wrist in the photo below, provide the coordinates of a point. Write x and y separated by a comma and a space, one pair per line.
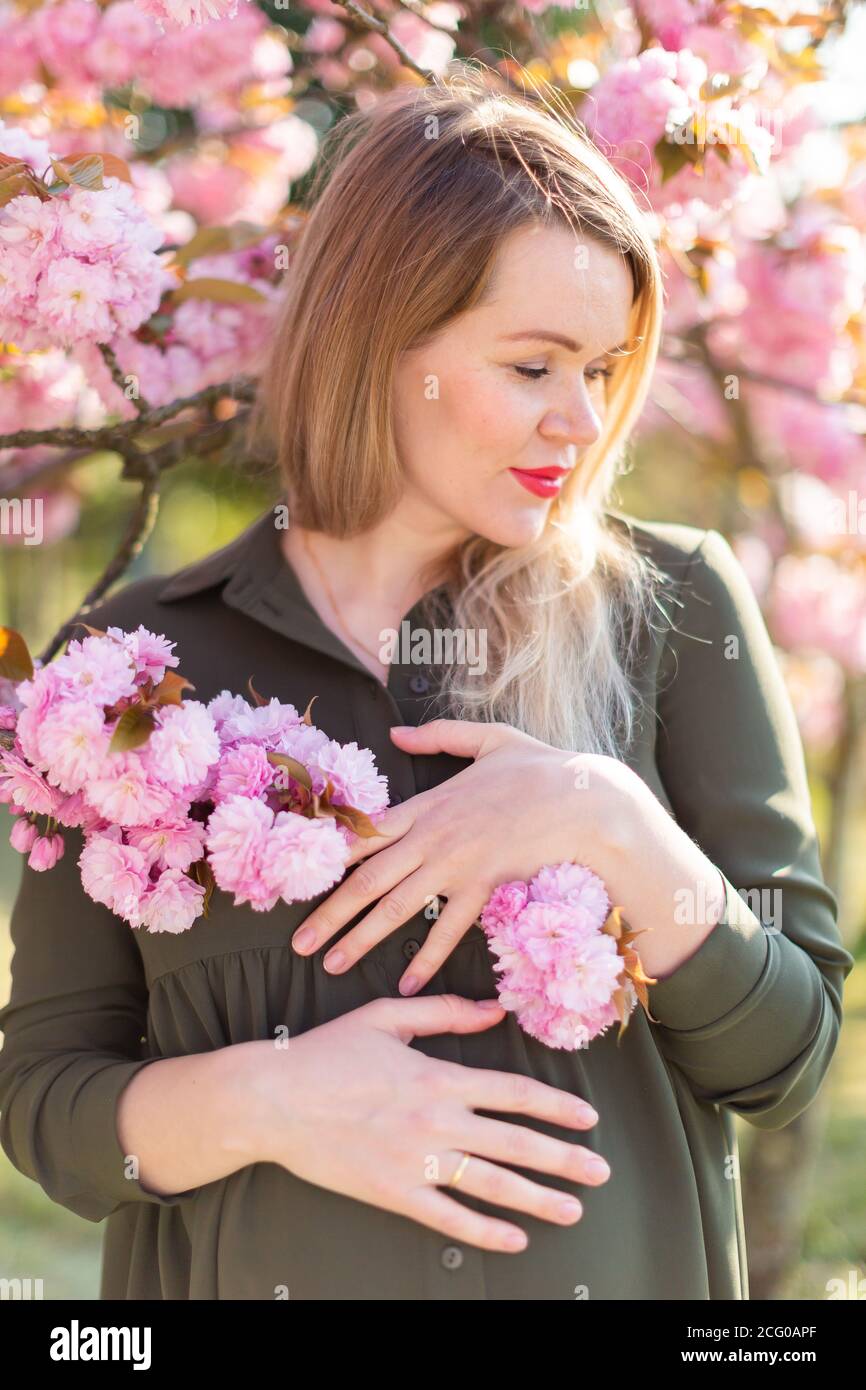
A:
658, 875
258, 1079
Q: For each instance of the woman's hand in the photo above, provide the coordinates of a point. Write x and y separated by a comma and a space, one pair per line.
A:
520, 805
351, 1107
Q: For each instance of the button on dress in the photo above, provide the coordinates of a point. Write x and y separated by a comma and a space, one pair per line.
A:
746, 1026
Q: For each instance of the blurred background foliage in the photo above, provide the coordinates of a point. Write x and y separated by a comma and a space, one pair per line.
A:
677, 472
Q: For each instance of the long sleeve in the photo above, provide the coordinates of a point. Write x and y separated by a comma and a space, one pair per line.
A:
752, 1018
73, 1029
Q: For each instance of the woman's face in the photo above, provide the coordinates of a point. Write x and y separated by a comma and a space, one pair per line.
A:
493, 398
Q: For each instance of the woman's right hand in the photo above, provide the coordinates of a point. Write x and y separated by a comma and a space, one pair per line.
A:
353, 1109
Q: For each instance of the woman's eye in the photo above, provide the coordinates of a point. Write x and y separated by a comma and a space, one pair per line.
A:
535, 373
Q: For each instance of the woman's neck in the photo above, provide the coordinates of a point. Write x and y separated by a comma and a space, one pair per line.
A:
365, 584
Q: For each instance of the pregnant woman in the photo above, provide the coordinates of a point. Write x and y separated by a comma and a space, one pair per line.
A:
264, 1112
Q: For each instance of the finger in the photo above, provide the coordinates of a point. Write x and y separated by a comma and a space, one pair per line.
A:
391, 825
362, 887
463, 738
447, 932
435, 1013
432, 1208
396, 907
526, 1148
506, 1189
512, 1093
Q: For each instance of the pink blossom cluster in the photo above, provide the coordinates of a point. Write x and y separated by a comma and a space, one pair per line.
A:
641, 101
559, 970
80, 266
205, 341
246, 177
81, 44
199, 788
799, 298
818, 604
704, 27
258, 851
185, 12
40, 390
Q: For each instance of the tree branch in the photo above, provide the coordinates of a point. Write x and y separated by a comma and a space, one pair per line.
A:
117, 435
140, 525
380, 27
119, 378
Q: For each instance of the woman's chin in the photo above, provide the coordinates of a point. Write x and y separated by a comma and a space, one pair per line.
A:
518, 528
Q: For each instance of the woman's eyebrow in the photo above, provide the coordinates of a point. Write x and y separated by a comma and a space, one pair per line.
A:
537, 334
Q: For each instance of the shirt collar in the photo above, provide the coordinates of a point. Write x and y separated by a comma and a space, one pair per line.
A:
260, 582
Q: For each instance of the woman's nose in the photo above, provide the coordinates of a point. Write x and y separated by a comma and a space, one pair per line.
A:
576, 422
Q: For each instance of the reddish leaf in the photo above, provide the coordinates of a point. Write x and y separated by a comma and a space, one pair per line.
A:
17, 181
202, 873
16, 663
255, 694
170, 689
355, 820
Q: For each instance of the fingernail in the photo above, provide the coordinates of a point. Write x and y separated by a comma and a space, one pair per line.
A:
570, 1210
516, 1240
400, 728
587, 1113
303, 938
488, 1003
335, 961
409, 985
597, 1168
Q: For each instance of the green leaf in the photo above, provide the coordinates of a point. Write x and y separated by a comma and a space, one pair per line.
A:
212, 241
134, 727
86, 172
219, 291
293, 767
671, 157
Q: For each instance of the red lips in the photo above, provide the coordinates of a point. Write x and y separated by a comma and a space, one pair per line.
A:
545, 472
541, 482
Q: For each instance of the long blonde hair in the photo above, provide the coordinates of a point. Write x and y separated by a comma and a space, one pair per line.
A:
411, 200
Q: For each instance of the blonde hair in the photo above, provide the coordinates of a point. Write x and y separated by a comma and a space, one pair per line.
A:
412, 199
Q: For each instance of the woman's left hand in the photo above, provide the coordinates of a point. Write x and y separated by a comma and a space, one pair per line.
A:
521, 804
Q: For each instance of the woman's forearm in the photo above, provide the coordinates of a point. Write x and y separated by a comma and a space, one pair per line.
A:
663, 881
192, 1120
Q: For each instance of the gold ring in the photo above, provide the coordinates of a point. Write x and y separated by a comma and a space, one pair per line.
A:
461, 1169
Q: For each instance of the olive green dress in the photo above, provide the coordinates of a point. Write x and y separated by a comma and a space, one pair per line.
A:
747, 1026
